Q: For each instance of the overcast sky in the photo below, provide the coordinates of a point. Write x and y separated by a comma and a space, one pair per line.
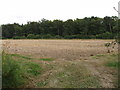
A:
21, 11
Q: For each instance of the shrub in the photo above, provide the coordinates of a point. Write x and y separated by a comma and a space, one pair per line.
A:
37, 37
31, 36
2, 38
48, 36
106, 35
58, 37
79, 36
93, 37
72, 36
67, 37
19, 37
117, 38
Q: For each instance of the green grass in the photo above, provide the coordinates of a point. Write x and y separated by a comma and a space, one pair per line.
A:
72, 76
80, 78
98, 56
61, 74
46, 59
41, 84
33, 68
111, 59
12, 72
20, 56
16, 71
115, 64
105, 56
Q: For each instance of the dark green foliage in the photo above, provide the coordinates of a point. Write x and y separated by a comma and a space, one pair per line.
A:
31, 36
47, 36
106, 35
86, 28
118, 38
37, 37
19, 37
79, 36
58, 37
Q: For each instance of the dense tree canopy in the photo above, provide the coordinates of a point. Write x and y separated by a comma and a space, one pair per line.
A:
86, 28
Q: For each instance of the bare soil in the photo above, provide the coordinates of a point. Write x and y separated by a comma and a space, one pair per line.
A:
58, 49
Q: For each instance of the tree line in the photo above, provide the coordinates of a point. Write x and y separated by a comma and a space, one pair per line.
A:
86, 28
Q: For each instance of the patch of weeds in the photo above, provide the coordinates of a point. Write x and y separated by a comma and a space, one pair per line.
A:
41, 84
112, 61
114, 55
94, 57
46, 59
87, 81
115, 64
20, 56
90, 82
100, 55
13, 74
33, 68
61, 74
97, 56
16, 72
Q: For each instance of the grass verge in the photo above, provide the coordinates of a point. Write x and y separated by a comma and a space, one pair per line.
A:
12, 72
17, 72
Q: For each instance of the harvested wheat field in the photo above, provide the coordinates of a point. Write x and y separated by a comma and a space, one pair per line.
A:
67, 63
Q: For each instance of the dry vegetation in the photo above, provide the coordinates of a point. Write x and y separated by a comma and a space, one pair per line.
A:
67, 63
58, 49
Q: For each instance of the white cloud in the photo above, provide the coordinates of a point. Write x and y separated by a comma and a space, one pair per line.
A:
21, 11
